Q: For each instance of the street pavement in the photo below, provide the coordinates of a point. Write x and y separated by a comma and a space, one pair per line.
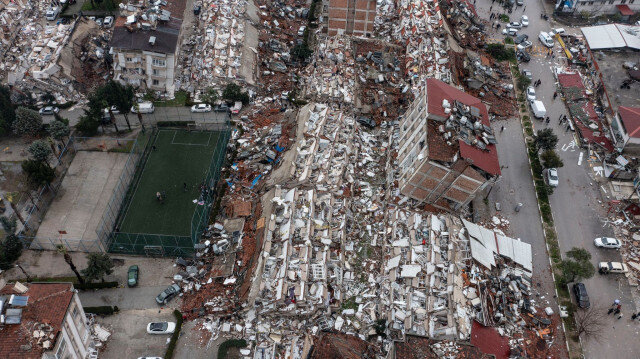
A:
577, 203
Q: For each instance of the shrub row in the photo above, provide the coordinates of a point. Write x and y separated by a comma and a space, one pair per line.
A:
102, 310
174, 337
98, 285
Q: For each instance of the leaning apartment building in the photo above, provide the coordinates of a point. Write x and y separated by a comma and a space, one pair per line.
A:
447, 150
145, 46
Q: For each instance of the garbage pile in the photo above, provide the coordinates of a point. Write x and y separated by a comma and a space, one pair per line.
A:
214, 50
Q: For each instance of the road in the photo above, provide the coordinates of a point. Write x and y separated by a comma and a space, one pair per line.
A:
161, 114
577, 204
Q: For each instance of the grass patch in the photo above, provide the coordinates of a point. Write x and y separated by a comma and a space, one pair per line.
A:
503, 17
508, 41
181, 98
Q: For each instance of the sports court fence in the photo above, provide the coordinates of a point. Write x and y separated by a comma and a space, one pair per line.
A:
117, 241
40, 203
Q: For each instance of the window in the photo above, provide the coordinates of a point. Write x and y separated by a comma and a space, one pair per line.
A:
61, 349
631, 1
129, 59
156, 82
160, 63
156, 72
623, 1
590, 2
610, 2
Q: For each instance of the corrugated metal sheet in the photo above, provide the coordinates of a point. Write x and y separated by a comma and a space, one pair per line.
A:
612, 36
482, 254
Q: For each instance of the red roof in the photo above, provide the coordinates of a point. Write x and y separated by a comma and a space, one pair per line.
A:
486, 160
489, 341
625, 10
570, 80
630, 117
48, 304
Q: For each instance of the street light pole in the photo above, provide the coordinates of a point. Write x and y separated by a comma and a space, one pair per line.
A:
24, 272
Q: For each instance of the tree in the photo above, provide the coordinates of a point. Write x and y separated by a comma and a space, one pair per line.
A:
40, 151
98, 265
577, 266
210, 96
59, 131
88, 125
590, 322
28, 122
118, 95
523, 82
500, 52
7, 112
546, 139
9, 225
67, 258
550, 159
11, 246
301, 51
233, 92
47, 98
39, 173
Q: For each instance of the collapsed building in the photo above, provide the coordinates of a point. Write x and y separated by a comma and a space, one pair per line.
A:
447, 149
351, 17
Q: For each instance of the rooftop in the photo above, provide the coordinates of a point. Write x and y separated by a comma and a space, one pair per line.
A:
47, 304
630, 117
468, 117
614, 75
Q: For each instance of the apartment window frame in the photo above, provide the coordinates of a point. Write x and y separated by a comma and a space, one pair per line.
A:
159, 62
61, 349
155, 82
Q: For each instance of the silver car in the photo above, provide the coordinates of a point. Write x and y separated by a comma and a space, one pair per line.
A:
552, 177
607, 242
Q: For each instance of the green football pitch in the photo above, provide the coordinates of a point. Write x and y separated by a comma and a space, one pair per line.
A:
178, 157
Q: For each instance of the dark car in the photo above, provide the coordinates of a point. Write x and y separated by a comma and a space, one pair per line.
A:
132, 276
196, 9
366, 121
580, 291
168, 294
221, 108
521, 38
523, 56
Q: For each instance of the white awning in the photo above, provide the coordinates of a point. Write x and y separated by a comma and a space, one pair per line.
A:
612, 36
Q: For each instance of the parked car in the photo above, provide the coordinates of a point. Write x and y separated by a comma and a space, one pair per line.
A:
201, 107
557, 31
510, 31
607, 242
301, 30
144, 107
99, 21
531, 93
222, 108
132, 276
526, 73
161, 327
168, 294
366, 121
580, 291
612, 267
523, 56
552, 177
52, 13
49, 110
524, 20
524, 45
520, 2
108, 21
515, 25
196, 9
114, 110
546, 39
521, 38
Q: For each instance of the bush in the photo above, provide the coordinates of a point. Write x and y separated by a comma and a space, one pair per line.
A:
100, 285
508, 41
88, 126
233, 92
500, 52
39, 173
231, 343
174, 123
101, 310
174, 337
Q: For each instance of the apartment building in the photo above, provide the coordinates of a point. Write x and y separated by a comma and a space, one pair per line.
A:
447, 148
625, 8
351, 17
145, 47
625, 127
42, 321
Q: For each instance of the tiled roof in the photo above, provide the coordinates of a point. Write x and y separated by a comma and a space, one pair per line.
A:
486, 160
48, 304
630, 117
489, 341
570, 80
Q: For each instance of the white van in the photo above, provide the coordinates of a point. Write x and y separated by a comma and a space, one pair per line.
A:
52, 13
145, 107
546, 39
537, 107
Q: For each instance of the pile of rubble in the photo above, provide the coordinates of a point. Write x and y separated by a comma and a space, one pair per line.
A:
331, 77
465, 24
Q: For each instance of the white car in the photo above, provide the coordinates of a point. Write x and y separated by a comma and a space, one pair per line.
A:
524, 45
531, 93
546, 39
612, 267
524, 20
161, 327
49, 110
510, 31
108, 21
552, 177
607, 242
515, 25
201, 107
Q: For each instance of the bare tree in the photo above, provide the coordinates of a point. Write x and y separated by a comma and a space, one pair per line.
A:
590, 323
